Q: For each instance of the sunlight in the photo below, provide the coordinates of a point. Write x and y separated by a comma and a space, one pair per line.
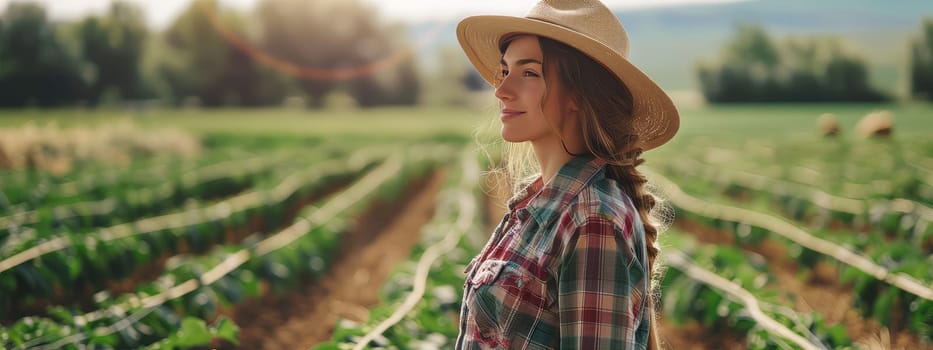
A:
339, 73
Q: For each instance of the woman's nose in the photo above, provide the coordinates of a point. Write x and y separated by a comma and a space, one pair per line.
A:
504, 90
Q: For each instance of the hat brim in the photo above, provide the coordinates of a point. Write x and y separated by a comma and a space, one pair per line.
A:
655, 117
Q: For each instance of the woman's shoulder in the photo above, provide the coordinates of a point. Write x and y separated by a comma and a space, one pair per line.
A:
599, 208
599, 218
602, 201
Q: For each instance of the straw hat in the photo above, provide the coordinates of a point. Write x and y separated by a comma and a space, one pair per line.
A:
590, 27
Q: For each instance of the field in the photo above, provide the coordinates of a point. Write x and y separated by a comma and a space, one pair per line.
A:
351, 229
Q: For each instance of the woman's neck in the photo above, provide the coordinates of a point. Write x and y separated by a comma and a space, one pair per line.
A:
551, 157
556, 150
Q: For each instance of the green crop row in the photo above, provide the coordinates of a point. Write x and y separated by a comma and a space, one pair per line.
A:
91, 261
876, 298
25, 229
722, 212
897, 270
865, 169
29, 189
691, 296
226, 276
875, 221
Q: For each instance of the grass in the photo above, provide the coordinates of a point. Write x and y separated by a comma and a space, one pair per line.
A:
733, 122
388, 122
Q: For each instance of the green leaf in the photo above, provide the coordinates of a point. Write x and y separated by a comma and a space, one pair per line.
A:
36, 283
193, 332
164, 344
838, 336
227, 330
330, 345
109, 340
59, 266
249, 283
60, 313
884, 306
7, 282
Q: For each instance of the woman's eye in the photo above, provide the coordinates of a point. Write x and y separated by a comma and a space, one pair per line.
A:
505, 72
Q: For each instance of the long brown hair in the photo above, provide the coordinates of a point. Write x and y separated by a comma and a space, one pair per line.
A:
604, 110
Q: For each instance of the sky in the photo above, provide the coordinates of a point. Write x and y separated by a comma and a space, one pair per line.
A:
160, 13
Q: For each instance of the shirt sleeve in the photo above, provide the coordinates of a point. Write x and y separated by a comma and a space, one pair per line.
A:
598, 296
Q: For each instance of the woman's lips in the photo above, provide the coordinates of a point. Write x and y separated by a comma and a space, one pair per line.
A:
508, 113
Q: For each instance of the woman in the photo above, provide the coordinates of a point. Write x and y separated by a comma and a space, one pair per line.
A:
570, 266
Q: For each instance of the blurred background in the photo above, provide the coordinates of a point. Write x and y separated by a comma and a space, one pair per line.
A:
255, 53
121, 114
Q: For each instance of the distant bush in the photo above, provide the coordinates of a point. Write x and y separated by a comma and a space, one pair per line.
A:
921, 62
754, 69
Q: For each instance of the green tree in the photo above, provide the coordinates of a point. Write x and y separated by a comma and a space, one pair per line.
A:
921, 62
747, 70
36, 68
326, 37
846, 78
192, 59
754, 69
113, 46
753, 46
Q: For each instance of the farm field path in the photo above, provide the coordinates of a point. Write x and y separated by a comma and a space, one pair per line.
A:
382, 238
820, 292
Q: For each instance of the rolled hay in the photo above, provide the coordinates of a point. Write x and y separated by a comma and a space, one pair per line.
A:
16, 144
49, 156
876, 124
828, 124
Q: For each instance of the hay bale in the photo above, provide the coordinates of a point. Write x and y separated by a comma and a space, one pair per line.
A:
828, 124
876, 124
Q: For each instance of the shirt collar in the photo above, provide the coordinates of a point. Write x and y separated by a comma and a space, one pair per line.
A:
548, 200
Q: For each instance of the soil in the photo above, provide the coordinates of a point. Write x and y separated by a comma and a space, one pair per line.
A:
694, 336
380, 239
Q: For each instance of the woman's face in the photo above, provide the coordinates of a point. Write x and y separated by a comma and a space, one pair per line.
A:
530, 110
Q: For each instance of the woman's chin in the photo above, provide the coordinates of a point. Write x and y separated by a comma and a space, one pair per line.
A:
508, 137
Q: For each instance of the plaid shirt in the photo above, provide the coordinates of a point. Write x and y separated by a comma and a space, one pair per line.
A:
565, 268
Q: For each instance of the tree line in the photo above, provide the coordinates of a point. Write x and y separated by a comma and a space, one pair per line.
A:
208, 56
754, 68
211, 56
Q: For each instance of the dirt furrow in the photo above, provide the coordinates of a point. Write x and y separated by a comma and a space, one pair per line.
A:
378, 241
